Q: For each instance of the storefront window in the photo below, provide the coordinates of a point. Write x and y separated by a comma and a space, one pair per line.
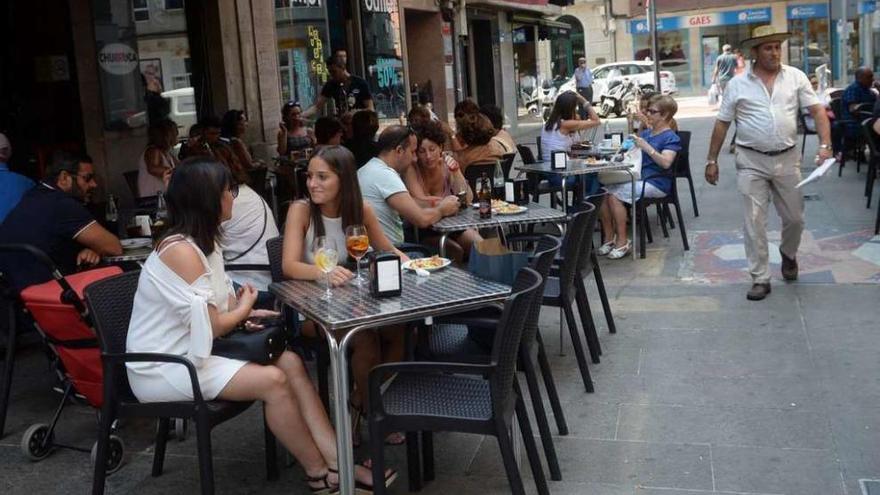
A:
524, 59
673, 56
301, 27
808, 47
143, 53
383, 56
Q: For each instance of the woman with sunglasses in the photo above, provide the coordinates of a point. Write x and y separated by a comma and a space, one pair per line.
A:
293, 135
184, 301
659, 144
335, 203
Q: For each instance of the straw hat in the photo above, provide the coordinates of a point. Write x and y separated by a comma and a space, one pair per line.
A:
764, 34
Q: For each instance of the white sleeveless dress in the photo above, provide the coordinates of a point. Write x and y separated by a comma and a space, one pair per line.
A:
171, 316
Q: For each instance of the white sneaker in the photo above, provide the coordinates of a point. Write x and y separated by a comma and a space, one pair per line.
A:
620, 252
606, 248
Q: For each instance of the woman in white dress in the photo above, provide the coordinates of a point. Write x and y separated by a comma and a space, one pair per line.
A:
184, 300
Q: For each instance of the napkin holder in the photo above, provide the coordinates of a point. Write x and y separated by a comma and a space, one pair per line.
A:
516, 191
385, 278
558, 160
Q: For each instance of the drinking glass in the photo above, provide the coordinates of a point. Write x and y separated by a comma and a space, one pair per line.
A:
357, 242
326, 258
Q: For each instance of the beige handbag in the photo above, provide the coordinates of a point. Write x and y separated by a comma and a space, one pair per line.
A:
634, 158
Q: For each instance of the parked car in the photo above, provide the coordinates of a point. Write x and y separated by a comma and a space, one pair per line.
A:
641, 71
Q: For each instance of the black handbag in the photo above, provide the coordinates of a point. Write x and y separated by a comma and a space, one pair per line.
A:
261, 346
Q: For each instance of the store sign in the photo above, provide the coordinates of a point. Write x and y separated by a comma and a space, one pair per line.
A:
867, 7
380, 6
305, 3
386, 72
118, 59
808, 11
730, 17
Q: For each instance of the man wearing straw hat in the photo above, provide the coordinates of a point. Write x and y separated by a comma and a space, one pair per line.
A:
764, 102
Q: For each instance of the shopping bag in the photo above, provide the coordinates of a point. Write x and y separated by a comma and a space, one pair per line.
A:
492, 260
714, 94
633, 157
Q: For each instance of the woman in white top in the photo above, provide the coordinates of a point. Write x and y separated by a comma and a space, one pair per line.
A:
157, 159
336, 203
184, 300
558, 133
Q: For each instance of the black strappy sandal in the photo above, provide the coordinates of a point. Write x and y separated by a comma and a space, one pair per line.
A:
362, 488
327, 489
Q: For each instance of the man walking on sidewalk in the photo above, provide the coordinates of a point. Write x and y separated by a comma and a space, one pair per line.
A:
765, 103
725, 68
583, 80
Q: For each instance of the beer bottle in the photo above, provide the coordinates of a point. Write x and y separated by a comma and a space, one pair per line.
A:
485, 197
160, 220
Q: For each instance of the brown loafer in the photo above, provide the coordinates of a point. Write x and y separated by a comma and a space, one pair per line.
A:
789, 268
758, 292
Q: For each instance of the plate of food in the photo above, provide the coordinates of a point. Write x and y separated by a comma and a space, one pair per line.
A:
496, 203
592, 161
509, 209
430, 264
136, 243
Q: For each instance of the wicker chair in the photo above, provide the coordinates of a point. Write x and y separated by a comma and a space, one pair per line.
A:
468, 398
110, 303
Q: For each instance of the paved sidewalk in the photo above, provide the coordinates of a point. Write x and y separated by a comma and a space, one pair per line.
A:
700, 391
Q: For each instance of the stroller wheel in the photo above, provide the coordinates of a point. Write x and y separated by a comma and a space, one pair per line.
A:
35, 444
180, 429
115, 454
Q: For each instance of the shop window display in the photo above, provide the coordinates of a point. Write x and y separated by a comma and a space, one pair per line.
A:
301, 28
673, 55
383, 57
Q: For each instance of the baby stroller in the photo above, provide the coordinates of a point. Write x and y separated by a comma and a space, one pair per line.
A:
62, 320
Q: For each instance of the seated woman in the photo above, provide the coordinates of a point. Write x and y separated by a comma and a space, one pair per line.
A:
436, 176
157, 160
233, 131
184, 301
501, 136
475, 133
335, 204
659, 145
558, 134
293, 135
329, 131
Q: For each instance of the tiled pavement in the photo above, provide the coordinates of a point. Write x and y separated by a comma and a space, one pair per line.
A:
700, 392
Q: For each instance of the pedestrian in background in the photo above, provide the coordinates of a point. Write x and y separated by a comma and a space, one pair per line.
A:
725, 68
765, 103
583, 79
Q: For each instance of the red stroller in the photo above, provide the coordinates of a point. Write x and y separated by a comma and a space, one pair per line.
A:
61, 318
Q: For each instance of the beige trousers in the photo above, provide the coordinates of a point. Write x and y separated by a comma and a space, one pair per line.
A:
761, 178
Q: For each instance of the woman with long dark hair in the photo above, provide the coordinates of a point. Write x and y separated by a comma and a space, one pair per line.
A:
234, 127
336, 203
184, 301
157, 160
293, 135
559, 132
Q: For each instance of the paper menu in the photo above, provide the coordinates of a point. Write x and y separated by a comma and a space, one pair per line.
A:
819, 172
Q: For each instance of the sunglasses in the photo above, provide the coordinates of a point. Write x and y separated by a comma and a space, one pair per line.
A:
233, 189
87, 177
652, 111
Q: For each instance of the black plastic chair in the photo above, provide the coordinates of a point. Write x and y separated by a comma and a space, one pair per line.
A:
591, 263
802, 123
839, 126
537, 185
507, 164
663, 211
682, 166
469, 398
450, 342
474, 172
870, 137
110, 303
316, 345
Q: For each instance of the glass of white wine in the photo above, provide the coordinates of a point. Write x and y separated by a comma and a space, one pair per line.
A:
326, 257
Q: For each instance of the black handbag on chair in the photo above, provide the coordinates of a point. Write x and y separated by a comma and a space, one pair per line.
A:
260, 346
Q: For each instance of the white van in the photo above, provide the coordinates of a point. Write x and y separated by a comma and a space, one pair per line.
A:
183, 108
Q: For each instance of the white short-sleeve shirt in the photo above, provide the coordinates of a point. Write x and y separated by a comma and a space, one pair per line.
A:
379, 182
767, 121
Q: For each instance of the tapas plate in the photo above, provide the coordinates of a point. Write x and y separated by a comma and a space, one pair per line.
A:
136, 243
430, 264
510, 209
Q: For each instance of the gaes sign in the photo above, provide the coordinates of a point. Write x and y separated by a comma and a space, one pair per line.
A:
118, 59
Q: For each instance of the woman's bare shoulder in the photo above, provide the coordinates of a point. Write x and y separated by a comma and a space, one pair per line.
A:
183, 259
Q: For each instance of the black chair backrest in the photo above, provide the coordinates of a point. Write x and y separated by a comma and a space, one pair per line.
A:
508, 335
538, 145
682, 165
474, 171
596, 199
507, 164
870, 137
275, 248
526, 154
545, 252
131, 180
836, 105
110, 302
574, 246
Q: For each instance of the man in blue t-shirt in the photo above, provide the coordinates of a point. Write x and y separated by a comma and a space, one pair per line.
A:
12, 185
52, 218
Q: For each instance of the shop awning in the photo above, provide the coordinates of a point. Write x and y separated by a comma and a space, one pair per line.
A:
535, 6
524, 19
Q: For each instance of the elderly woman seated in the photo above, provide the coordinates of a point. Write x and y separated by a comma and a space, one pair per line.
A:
659, 144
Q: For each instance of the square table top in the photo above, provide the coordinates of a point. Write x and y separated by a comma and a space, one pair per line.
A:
450, 289
575, 167
470, 218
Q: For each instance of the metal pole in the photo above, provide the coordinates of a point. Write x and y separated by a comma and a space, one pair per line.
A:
831, 45
844, 41
655, 51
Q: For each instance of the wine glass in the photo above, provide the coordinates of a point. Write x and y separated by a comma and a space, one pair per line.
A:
357, 242
326, 258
